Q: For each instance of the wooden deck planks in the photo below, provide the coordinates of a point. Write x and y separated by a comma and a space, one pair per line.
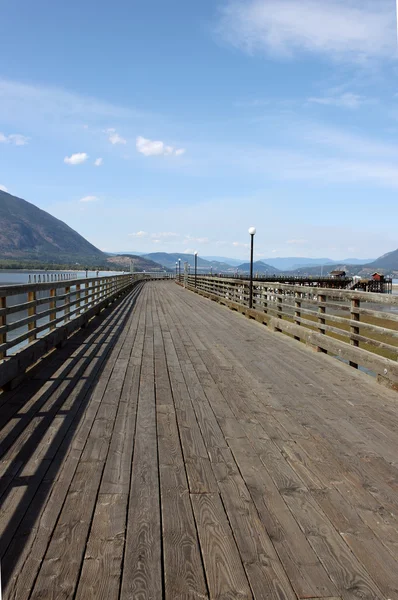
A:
177, 450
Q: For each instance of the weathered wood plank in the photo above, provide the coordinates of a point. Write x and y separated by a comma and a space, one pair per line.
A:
225, 574
142, 576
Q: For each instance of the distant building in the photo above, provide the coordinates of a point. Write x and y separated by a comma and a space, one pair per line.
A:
337, 274
377, 276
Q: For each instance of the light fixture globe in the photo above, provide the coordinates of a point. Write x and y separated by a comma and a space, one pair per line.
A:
252, 231
196, 253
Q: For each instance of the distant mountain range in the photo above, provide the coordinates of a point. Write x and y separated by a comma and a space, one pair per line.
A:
169, 260
259, 267
29, 234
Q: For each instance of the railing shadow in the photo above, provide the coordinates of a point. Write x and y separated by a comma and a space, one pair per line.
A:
92, 348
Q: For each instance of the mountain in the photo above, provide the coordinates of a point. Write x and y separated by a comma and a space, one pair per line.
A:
137, 263
27, 232
292, 262
31, 236
388, 262
169, 260
259, 267
295, 262
234, 262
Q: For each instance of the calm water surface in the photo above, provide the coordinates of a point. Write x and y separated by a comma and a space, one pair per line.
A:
8, 277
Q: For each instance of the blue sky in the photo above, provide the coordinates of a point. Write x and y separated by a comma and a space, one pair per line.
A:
173, 126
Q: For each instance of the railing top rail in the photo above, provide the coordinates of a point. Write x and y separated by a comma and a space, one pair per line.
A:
21, 288
373, 297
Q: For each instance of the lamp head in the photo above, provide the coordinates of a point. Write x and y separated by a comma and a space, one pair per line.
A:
195, 253
252, 230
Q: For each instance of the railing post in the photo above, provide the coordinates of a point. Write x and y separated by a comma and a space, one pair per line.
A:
53, 306
67, 303
297, 311
264, 298
78, 295
3, 336
279, 304
321, 319
355, 304
31, 313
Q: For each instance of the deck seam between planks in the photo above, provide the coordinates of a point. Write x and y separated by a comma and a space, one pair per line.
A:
158, 305
331, 524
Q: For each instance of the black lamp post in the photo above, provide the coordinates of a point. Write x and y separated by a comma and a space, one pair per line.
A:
196, 265
179, 269
252, 232
176, 268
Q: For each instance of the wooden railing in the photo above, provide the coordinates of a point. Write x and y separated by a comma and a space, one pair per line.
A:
360, 328
37, 317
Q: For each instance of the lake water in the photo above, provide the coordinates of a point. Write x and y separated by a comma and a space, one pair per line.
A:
8, 277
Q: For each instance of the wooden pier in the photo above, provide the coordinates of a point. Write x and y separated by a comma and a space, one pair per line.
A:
174, 449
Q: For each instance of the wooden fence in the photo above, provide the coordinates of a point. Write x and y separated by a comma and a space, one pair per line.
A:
360, 328
37, 317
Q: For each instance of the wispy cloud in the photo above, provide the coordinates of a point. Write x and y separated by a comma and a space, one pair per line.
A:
165, 234
52, 103
352, 30
347, 100
114, 137
198, 240
156, 148
16, 139
297, 242
99, 162
89, 199
139, 234
3, 188
76, 159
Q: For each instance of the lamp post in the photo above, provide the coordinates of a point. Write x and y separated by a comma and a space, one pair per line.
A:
196, 265
176, 268
252, 232
179, 269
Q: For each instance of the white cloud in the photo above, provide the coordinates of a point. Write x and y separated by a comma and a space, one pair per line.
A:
139, 234
76, 159
343, 29
351, 101
89, 199
14, 138
297, 242
199, 240
3, 188
164, 234
99, 162
114, 137
240, 245
156, 148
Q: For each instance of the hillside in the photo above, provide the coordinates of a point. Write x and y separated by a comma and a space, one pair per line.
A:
138, 263
258, 267
27, 232
388, 262
169, 260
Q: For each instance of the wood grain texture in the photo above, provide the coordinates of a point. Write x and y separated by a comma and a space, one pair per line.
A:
175, 449
224, 570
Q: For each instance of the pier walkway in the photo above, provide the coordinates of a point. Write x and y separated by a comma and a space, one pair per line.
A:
176, 449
